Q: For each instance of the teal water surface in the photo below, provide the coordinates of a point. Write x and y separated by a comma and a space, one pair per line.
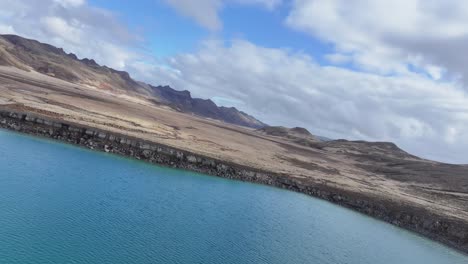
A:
63, 204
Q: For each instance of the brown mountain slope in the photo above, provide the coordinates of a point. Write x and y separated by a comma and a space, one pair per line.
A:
46, 59
31, 55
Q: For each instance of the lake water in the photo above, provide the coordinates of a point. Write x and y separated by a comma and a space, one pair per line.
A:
63, 204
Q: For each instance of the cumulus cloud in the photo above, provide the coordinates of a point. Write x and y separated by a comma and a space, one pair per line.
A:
390, 36
205, 12
73, 25
6, 29
60, 27
426, 117
70, 3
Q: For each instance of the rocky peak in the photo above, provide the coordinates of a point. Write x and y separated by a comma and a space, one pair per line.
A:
72, 56
301, 131
90, 62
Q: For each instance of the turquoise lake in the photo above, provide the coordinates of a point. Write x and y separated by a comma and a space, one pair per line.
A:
63, 204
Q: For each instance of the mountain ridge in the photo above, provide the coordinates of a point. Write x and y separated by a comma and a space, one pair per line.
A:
28, 54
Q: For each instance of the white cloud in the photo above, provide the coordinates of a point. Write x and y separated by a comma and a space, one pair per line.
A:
6, 29
70, 3
61, 28
387, 36
426, 117
205, 12
338, 58
73, 25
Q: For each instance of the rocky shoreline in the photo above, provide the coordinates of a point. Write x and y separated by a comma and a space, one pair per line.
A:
449, 231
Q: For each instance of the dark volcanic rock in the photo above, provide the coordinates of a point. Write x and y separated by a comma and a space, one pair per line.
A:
90, 62
73, 56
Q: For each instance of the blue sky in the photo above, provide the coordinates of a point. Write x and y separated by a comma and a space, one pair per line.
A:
374, 70
167, 33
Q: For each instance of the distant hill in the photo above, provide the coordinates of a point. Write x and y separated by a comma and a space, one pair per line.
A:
297, 135
281, 131
31, 55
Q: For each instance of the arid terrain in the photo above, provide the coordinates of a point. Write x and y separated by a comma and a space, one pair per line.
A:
379, 171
